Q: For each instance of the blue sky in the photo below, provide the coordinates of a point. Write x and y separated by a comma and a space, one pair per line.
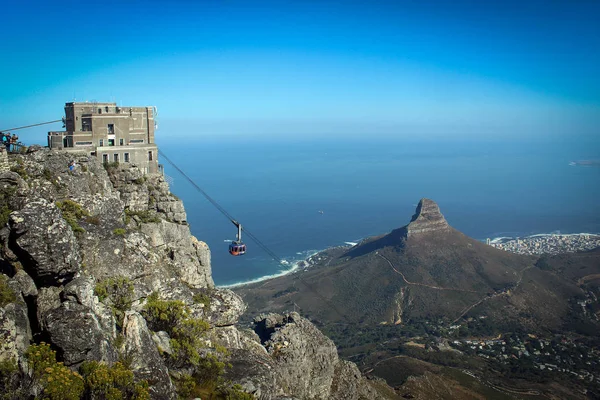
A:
310, 67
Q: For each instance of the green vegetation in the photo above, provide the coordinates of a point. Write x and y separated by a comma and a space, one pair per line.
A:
188, 344
189, 388
20, 169
140, 180
112, 382
93, 219
146, 216
97, 380
117, 293
7, 295
119, 231
111, 166
6, 194
202, 298
72, 212
58, 381
10, 381
186, 333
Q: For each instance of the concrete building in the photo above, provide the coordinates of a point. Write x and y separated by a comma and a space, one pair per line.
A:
109, 132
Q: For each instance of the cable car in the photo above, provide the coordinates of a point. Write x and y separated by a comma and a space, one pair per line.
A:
237, 247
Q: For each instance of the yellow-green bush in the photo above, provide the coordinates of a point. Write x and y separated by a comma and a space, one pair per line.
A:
7, 295
164, 315
114, 382
72, 212
187, 333
146, 216
202, 298
58, 381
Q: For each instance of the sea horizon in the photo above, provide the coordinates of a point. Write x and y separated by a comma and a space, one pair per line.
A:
303, 195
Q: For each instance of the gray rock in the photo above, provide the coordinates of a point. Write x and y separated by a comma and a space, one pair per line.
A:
306, 362
44, 242
225, 308
15, 331
48, 299
76, 331
427, 218
162, 341
26, 285
147, 362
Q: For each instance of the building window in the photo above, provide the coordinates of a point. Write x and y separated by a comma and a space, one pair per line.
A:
136, 141
105, 158
116, 157
121, 142
150, 156
86, 125
111, 129
111, 142
106, 108
101, 142
99, 111
126, 157
83, 143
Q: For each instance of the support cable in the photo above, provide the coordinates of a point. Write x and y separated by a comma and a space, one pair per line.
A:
30, 126
251, 236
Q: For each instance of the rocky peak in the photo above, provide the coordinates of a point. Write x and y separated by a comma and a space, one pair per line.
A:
427, 218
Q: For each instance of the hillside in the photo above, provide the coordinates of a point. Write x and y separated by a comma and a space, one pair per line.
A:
430, 281
104, 293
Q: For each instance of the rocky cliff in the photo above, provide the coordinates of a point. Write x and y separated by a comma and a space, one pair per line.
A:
100, 264
427, 219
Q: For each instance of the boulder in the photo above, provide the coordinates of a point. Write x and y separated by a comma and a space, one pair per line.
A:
147, 362
44, 243
225, 308
76, 331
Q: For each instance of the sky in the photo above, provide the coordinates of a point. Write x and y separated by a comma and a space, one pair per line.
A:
222, 67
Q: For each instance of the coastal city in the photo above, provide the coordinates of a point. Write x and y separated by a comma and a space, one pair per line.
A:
548, 244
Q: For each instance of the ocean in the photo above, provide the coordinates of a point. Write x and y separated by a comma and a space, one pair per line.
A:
300, 195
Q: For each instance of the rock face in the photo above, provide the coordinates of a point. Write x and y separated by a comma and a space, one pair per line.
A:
427, 219
302, 363
44, 242
74, 236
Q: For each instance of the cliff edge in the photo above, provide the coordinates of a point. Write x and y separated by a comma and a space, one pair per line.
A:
100, 273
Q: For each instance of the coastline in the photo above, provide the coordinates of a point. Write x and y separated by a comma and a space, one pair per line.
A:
315, 256
295, 266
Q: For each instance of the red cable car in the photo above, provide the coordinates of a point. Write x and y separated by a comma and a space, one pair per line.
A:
237, 247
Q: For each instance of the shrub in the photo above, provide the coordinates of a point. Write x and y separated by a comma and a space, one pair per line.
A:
140, 180
58, 381
93, 219
186, 333
163, 315
11, 381
111, 166
146, 216
119, 231
235, 392
72, 212
114, 382
5, 195
20, 169
7, 295
202, 298
117, 293
186, 341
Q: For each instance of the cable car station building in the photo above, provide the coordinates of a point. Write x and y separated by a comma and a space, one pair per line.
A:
109, 132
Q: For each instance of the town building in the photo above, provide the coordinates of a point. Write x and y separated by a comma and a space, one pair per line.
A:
110, 132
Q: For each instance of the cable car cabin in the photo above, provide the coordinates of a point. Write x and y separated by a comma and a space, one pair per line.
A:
237, 249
